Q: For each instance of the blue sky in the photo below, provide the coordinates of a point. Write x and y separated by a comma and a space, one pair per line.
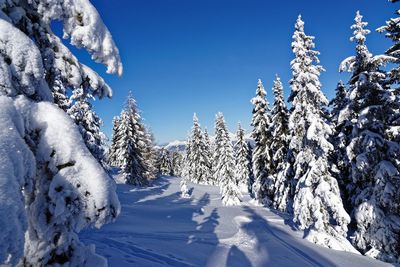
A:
205, 56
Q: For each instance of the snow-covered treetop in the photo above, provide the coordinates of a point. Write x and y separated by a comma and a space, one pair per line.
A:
305, 68
363, 61
259, 101
278, 90
359, 31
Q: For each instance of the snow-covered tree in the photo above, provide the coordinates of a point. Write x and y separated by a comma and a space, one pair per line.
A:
177, 164
116, 135
208, 149
165, 163
198, 161
225, 164
243, 165
279, 143
150, 155
89, 123
372, 150
186, 160
340, 139
55, 186
131, 145
317, 204
263, 186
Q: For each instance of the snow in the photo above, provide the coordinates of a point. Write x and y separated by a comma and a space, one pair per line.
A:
21, 68
16, 168
159, 228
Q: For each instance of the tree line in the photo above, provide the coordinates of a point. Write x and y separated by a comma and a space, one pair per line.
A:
333, 165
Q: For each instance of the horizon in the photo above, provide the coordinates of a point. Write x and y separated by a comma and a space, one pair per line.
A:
182, 57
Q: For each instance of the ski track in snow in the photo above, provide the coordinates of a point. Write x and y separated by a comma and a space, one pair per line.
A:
158, 228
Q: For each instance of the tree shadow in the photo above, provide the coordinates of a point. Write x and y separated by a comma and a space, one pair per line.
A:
157, 187
280, 248
146, 231
236, 258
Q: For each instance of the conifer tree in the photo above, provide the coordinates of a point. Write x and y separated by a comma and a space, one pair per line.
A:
177, 164
89, 123
341, 131
150, 154
209, 157
116, 135
372, 150
317, 205
262, 135
279, 144
198, 161
243, 165
165, 164
186, 170
225, 165
130, 155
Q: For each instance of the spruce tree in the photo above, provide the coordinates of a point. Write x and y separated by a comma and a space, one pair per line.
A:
198, 161
209, 157
186, 160
317, 205
243, 165
177, 164
262, 135
225, 164
116, 135
372, 150
165, 164
279, 144
130, 155
150, 154
89, 123
340, 139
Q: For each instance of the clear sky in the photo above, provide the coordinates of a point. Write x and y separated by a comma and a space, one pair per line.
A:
205, 56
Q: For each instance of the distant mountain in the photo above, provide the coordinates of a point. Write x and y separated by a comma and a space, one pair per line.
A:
179, 145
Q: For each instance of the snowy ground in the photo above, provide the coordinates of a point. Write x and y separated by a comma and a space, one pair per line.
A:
158, 228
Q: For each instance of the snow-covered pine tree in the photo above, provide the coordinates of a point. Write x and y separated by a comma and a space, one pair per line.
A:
250, 160
186, 160
116, 135
209, 157
262, 135
279, 144
165, 163
198, 160
341, 131
150, 155
225, 164
89, 123
317, 205
55, 186
373, 150
130, 153
177, 164
243, 167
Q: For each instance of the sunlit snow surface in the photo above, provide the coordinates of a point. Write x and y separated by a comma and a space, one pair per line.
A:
158, 228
